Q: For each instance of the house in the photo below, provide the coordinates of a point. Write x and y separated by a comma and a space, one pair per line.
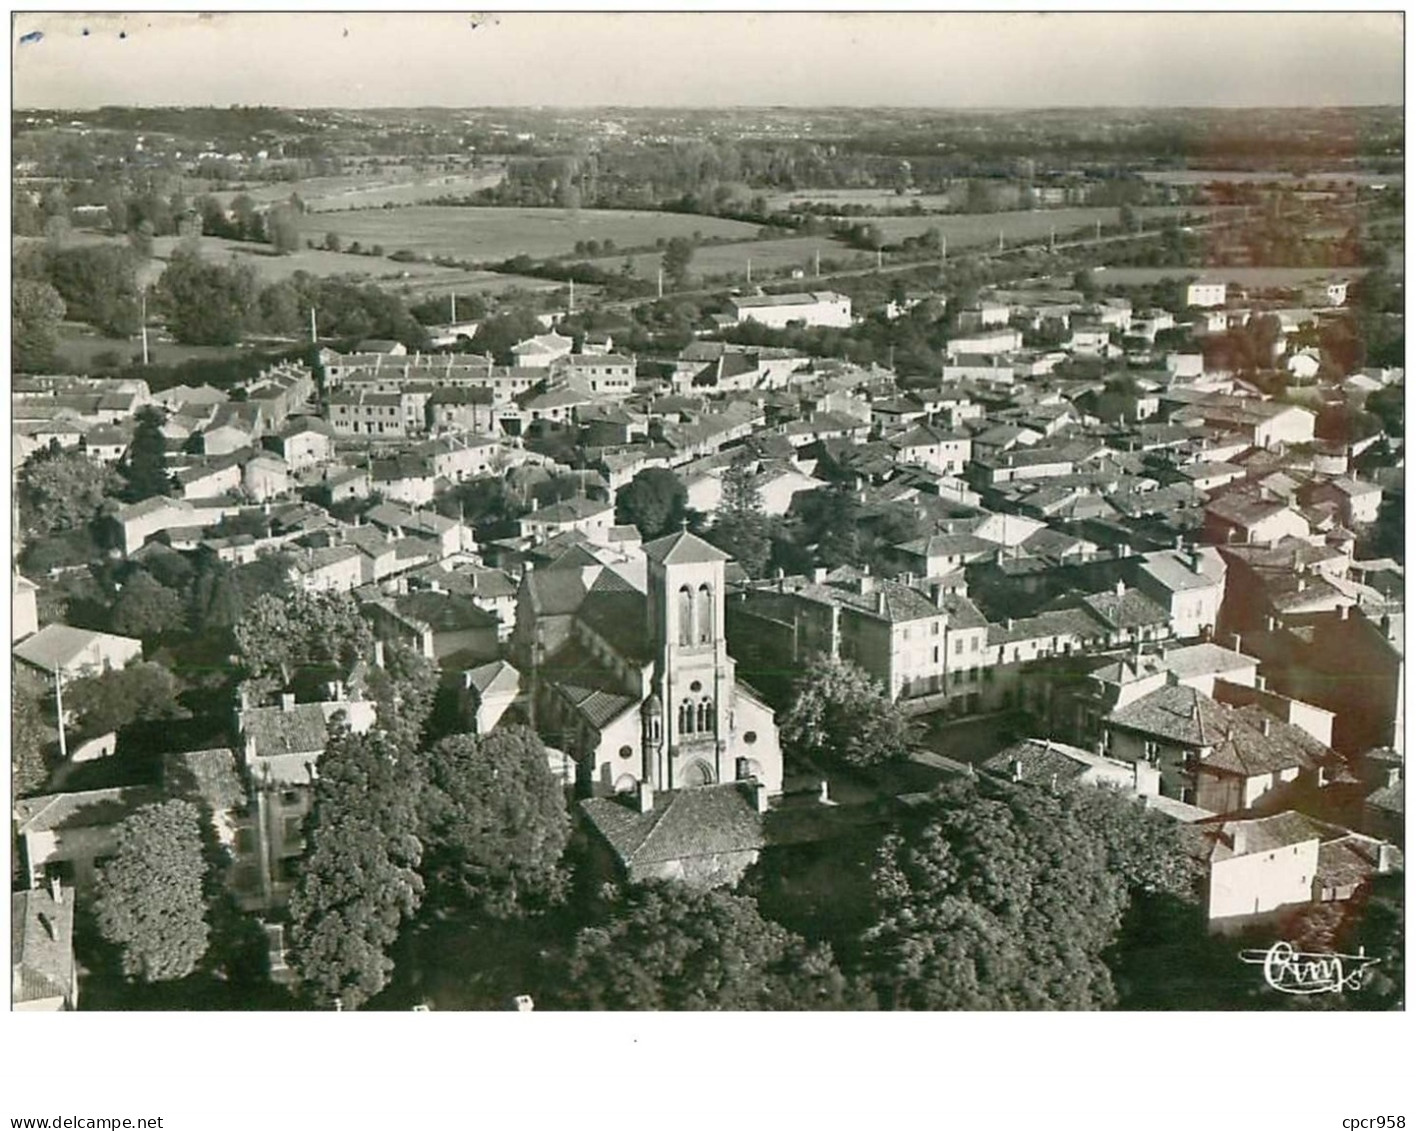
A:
1248, 518
24, 607
592, 517
436, 624
946, 453
823, 308
1223, 759
74, 652
912, 642
69, 836
265, 477
1358, 501
222, 476
43, 974
329, 569
541, 351
706, 837
106, 443
1205, 293
1260, 867
486, 693
1188, 584
607, 375
303, 442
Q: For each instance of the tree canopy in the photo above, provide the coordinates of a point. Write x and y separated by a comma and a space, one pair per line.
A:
36, 310
655, 501
493, 820
150, 898
144, 467
61, 491
359, 879
1007, 898
145, 607
109, 701
840, 714
206, 303
673, 947
278, 634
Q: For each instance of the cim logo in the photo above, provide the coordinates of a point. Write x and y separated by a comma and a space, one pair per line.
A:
1291, 971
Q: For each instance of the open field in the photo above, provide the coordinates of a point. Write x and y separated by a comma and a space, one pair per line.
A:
395, 185
1236, 176
732, 258
1240, 276
975, 230
870, 198
489, 235
80, 344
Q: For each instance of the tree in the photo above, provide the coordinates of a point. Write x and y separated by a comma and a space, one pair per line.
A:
145, 608
839, 713
29, 741
149, 899
359, 880
332, 242
276, 635
113, 699
677, 257
493, 820
283, 230
655, 501
99, 285
1006, 897
669, 946
61, 491
36, 310
144, 466
140, 240
740, 528
206, 303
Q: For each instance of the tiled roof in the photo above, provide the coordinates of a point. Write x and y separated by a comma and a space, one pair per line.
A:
55, 646
41, 946
207, 776
94, 808
1267, 834
682, 548
444, 612
1349, 860
597, 707
682, 824
494, 678
301, 730
1130, 609
1042, 760
618, 613
1205, 659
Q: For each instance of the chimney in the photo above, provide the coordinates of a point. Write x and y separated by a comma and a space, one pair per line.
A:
56, 889
1265, 726
1017, 769
287, 702
865, 584
1342, 612
1393, 776
644, 797
880, 603
825, 795
937, 593
1238, 640
535, 504
1237, 839
1009, 623
759, 796
378, 654
1260, 683
818, 575
1302, 583
1384, 858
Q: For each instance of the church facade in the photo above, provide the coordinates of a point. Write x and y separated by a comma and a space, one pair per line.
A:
630, 674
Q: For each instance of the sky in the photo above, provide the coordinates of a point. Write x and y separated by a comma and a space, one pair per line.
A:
948, 59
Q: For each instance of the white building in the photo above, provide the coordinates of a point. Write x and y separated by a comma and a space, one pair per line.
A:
821, 308
1205, 293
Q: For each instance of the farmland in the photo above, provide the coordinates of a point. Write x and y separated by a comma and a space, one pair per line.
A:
397, 185
1261, 277
766, 256
1237, 176
881, 198
982, 229
490, 235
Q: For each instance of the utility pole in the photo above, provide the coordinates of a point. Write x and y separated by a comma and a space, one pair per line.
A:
59, 711
145, 355
943, 248
661, 282
818, 263
1098, 229
1052, 239
453, 319
749, 270
314, 334
572, 297
1000, 239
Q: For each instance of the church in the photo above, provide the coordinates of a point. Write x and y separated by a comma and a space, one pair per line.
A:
627, 672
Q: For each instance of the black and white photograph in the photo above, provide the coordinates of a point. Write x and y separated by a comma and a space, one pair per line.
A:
668, 512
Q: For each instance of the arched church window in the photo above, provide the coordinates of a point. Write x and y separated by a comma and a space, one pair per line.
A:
705, 614
705, 716
685, 615
685, 717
